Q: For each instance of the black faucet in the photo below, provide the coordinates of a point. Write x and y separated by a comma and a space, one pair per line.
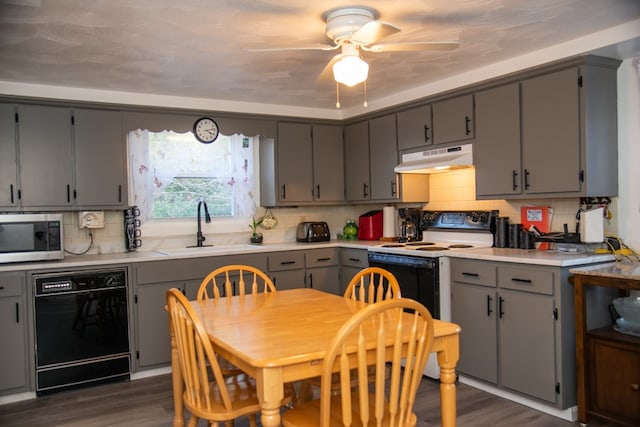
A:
199, 237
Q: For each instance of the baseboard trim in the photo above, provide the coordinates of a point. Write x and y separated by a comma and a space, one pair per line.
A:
569, 414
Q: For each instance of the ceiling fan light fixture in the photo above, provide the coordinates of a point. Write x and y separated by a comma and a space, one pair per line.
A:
350, 70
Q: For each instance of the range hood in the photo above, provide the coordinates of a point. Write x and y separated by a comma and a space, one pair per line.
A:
437, 160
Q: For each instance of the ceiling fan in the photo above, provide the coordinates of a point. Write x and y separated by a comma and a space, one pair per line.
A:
354, 30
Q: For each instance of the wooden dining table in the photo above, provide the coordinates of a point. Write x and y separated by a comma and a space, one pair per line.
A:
283, 336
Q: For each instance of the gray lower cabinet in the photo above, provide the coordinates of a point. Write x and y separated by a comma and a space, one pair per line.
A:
13, 333
351, 262
517, 323
453, 119
313, 268
8, 159
152, 280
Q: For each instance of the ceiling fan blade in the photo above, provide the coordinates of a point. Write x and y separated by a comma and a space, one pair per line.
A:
289, 48
373, 31
327, 71
412, 46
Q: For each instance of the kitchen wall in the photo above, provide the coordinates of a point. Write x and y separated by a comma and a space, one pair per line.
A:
452, 190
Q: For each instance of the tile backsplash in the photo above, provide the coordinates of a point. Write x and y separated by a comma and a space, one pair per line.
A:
452, 190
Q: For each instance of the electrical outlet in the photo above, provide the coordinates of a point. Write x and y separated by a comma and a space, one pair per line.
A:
91, 219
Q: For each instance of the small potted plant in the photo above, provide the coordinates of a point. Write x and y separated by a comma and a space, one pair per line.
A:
256, 237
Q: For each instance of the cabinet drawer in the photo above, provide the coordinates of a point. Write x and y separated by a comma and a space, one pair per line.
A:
321, 257
279, 261
11, 285
354, 258
475, 272
526, 279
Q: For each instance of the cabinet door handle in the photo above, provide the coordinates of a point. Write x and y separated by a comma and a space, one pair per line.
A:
354, 259
526, 179
17, 312
11, 192
515, 279
318, 191
393, 189
489, 300
68, 193
365, 187
500, 307
464, 273
311, 280
120, 193
287, 262
323, 259
514, 179
283, 192
467, 128
426, 133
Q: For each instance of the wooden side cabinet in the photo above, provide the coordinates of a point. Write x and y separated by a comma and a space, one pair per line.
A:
607, 362
615, 374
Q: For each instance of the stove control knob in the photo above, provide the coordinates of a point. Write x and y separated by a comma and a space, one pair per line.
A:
474, 216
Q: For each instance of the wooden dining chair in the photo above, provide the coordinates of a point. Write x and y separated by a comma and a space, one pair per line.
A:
373, 337
208, 394
229, 280
373, 284
370, 284
235, 279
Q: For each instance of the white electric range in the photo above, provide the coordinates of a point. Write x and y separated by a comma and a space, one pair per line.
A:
422, 267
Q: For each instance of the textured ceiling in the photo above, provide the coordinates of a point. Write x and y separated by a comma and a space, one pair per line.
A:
197, 48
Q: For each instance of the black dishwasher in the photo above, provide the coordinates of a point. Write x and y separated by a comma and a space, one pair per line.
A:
82, 332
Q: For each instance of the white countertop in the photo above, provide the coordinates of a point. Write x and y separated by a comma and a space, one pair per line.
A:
616, 270
532, 256
489, 254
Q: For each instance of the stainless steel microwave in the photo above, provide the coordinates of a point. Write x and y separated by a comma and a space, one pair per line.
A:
31, 237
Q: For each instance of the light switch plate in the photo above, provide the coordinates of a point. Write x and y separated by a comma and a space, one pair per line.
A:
91, 219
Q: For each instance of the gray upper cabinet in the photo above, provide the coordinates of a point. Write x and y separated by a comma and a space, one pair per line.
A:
8, 165
453, 119
356, 150
555, 137
46, 156
497, 144
551, 133
295, 176
100, 159
309, 165
67, 159
414, 128
383, 157
328, 163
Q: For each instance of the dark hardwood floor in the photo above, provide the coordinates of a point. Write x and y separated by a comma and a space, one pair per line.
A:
148, 403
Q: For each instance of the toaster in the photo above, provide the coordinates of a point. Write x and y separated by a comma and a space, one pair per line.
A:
313, 232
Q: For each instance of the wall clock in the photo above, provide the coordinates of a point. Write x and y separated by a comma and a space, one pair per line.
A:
205, 130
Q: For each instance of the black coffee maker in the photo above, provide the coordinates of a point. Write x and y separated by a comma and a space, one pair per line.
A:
132, 233
410, 224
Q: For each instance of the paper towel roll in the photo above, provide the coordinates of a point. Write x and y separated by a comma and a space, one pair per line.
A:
389, 221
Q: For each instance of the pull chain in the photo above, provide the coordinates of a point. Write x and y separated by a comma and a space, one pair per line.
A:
337, 95
364, 86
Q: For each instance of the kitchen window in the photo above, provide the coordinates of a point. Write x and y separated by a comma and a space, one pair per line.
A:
171, 172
